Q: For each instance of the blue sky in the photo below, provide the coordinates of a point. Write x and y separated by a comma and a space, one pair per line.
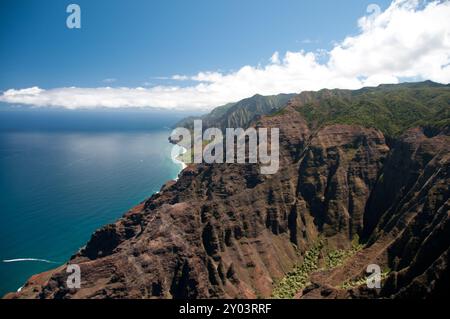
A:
197, 54
137, 41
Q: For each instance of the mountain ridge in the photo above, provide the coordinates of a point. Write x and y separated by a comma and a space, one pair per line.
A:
239, 114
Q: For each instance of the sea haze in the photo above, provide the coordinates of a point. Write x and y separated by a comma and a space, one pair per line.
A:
64, 174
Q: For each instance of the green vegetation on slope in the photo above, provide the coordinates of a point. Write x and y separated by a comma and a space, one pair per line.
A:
297, 279
389, 108
353, 283
318, 255
336, 258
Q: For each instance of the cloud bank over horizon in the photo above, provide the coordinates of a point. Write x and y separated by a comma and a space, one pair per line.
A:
410, 40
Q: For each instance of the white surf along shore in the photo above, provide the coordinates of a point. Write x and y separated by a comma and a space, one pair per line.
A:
177, 154
29, 259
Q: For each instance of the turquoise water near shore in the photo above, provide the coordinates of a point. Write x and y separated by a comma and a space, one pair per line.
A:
57, 187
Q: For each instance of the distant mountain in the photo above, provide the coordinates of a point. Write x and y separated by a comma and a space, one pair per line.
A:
390, 108
240, 114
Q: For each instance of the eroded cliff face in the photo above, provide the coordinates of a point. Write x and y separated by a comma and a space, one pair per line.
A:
225, 231
416, 215
407, 224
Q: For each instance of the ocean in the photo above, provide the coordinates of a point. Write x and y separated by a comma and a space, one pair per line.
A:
64, 174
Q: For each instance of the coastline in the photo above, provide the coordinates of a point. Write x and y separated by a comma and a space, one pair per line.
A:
176, 156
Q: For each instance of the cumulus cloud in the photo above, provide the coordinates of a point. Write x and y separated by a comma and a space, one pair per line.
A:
410, 39
275, 59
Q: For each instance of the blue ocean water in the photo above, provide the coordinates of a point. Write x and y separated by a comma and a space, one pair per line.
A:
64, 175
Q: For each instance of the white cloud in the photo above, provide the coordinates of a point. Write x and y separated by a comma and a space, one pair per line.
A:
178, 77
400, 42
410, 39
275, 59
